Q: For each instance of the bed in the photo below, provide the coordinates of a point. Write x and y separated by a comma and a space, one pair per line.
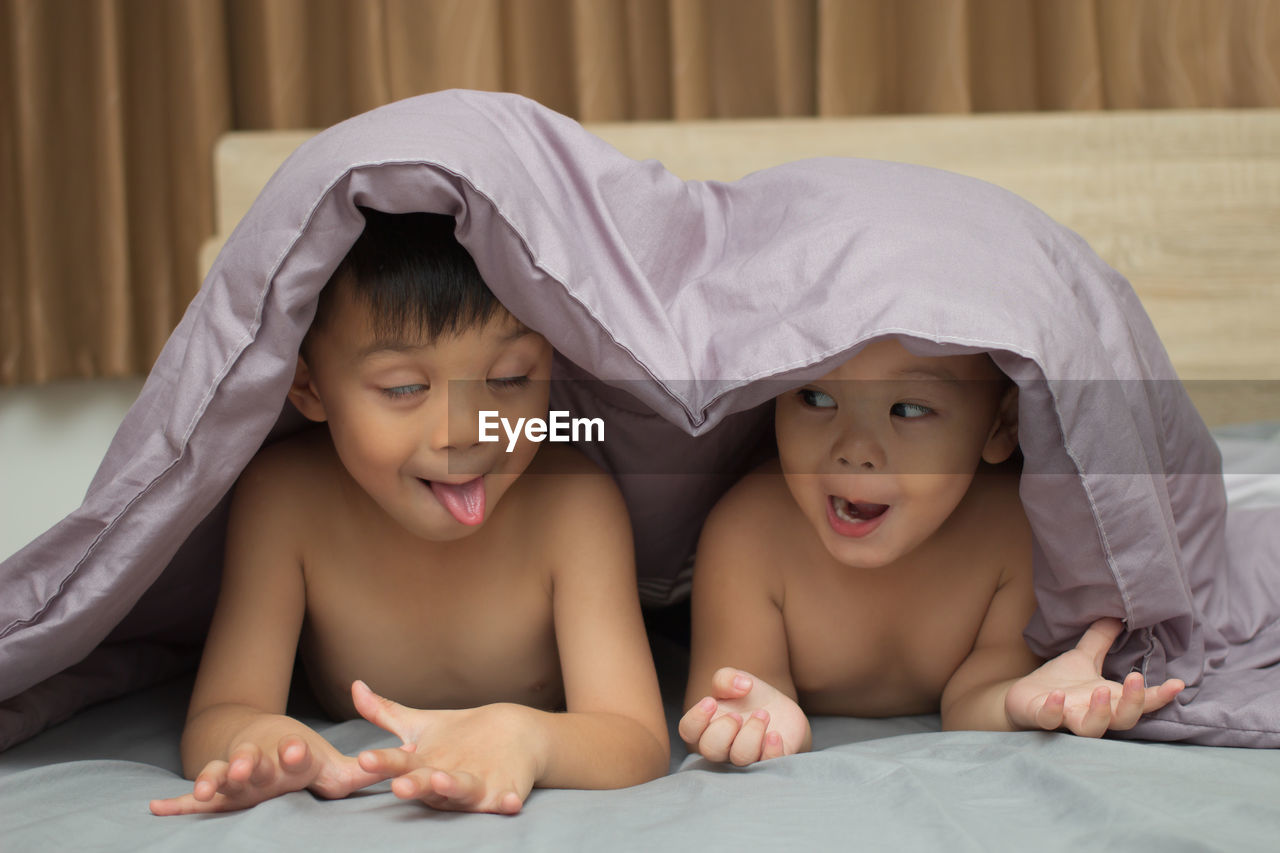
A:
1185, 204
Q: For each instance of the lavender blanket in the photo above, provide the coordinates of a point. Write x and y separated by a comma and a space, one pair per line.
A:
694, 302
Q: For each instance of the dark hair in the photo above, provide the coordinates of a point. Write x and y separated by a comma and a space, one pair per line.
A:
413, 275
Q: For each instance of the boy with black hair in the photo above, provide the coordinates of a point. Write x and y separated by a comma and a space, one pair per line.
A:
394, 547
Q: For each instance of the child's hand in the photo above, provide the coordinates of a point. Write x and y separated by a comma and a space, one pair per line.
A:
474, 760
1070, 690
744, 720
253, 773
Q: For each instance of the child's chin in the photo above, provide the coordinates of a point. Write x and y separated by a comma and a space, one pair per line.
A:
859, 555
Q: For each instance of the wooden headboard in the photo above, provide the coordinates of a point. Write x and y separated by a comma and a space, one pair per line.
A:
1186, 204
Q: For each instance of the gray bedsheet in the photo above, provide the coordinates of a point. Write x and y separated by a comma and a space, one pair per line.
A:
897, 784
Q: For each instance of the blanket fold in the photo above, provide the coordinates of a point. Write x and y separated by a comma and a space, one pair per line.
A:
693, 303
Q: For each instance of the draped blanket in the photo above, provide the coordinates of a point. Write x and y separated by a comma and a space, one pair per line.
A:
692, 303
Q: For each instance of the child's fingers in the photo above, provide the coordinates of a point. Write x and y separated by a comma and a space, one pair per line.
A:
243, 762
1098, 716
265, 772
1158, 697
773, 746
413, 783
388, 762
730, 683
209, 781
1129, 706
247, 778
695, 720
456, 791
379, 710
250, 766
188, 804
408, 724
462, 791
170, 805
1049, 715
294, 754
1097, 641
748, 746
716, 740
510, 803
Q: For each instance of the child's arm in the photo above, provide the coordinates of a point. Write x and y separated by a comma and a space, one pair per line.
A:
613, 733
992, 690
748, 714
237, 744
974, 695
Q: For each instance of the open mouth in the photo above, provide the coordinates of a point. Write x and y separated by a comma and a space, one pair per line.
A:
854, 518
464, 501
854, 511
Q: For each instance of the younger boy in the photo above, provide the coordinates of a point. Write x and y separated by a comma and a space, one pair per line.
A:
391, 545
882, 566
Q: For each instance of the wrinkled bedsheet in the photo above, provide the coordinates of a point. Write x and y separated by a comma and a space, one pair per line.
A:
894, 784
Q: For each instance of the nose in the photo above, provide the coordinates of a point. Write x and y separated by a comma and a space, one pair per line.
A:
859, 448
454, 417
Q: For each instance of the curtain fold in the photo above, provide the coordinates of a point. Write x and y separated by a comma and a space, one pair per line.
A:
110, 113
111, 108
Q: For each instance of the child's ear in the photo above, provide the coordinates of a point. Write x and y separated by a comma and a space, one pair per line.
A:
303, 393
1003, 438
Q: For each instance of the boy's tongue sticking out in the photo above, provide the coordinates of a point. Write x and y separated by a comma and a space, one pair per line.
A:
465, 501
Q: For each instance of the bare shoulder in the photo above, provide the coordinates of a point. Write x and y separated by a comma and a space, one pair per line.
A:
754, 510
289, 475
750, 527
566, 501
562, 479
996, 509
574, 518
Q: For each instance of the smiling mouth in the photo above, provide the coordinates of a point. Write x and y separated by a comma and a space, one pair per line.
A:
854, 512
464, 501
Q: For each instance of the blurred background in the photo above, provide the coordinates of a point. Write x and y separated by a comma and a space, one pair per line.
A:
111, 108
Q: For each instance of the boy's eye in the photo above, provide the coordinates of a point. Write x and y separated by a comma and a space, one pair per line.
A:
816, 399
399, 392
909, 411
506, 382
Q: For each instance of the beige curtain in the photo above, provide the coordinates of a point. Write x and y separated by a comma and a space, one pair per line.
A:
110, 108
